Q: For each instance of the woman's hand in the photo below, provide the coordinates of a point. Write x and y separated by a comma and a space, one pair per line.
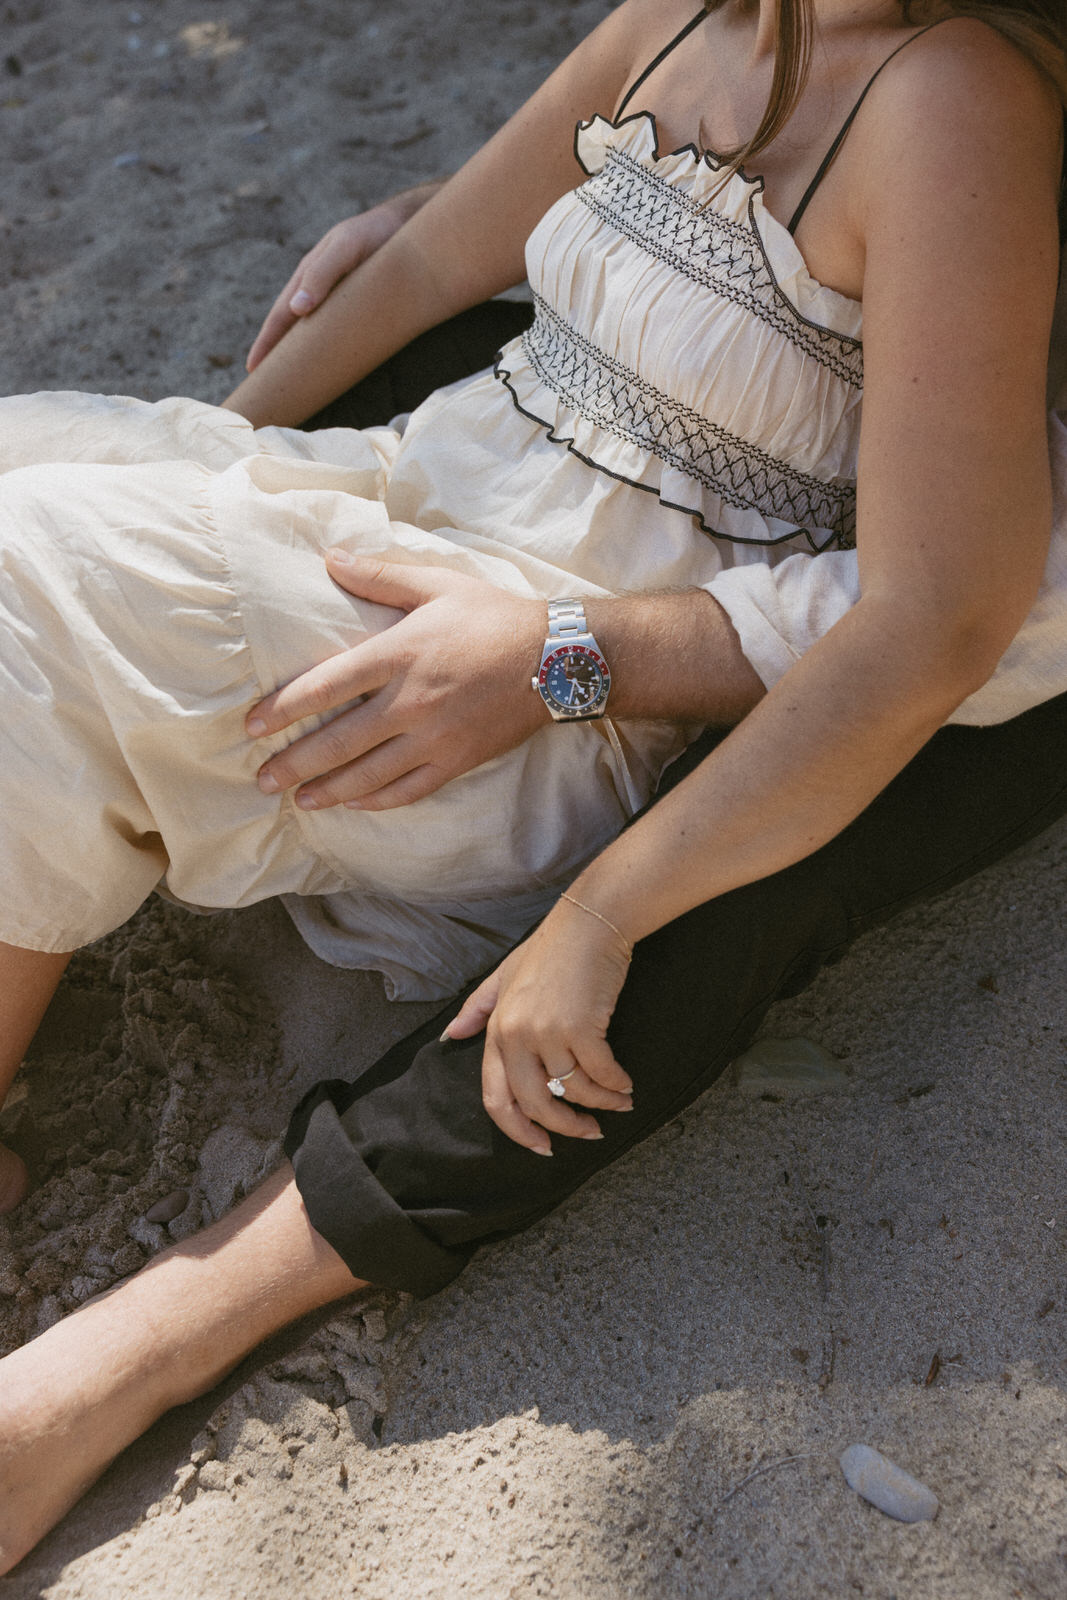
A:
443, 690
337, 254
546, 1011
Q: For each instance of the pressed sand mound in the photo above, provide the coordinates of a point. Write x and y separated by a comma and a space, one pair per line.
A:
769, 1278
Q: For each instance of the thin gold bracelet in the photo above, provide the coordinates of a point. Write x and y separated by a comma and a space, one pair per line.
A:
617, 931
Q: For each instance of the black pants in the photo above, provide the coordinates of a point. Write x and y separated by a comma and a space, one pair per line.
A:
404, 1173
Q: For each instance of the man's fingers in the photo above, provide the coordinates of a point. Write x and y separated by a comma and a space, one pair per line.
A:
347, 756
354, 672
318, 691
386, 583
403, 791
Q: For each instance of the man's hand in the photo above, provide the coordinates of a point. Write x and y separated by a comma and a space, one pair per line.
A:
444, 689
337, 254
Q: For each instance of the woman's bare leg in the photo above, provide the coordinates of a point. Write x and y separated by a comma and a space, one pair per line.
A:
28, 981
77, 1395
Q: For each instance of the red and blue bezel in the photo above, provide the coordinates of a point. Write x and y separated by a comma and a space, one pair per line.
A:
594, 683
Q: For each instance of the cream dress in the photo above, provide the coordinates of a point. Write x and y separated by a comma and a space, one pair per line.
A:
685, 411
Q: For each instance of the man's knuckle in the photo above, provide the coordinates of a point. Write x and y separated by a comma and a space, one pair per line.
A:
335, 746
376, 773
324, 692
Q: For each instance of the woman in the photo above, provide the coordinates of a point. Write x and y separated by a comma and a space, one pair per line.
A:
953, 452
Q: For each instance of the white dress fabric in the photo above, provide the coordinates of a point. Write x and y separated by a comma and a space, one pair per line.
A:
685, 411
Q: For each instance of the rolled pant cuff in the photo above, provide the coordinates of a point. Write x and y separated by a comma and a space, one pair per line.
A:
347, 1205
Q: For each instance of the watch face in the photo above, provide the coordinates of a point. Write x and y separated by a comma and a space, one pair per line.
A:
575, 680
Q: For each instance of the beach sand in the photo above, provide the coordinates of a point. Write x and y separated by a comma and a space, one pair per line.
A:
769, 1278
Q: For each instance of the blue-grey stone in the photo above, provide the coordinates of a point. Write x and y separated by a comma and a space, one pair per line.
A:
171, 1206
887, 1486
789, 1066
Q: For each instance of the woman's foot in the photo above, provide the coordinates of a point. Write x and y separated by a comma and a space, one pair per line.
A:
14, 1179
71, 1399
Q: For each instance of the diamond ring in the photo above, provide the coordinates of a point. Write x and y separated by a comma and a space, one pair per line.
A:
558, 1086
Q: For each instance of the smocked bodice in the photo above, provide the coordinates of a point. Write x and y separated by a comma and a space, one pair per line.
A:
681, 345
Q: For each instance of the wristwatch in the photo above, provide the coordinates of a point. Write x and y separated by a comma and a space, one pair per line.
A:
573, 678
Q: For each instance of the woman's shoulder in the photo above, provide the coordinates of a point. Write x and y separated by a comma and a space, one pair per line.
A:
649, 25
964, 77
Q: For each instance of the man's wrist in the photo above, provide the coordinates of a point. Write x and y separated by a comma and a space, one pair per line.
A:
572, 677
675, 657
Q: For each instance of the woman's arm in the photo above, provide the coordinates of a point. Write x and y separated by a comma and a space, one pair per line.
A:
961, 248
954, 500
465, 245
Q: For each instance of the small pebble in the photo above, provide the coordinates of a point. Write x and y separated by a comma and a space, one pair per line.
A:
784, 1066
171, 1206
888, 1487
212, 1475
128, 158
374, 1322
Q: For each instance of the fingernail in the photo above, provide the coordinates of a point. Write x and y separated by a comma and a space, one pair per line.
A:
301, 301
444, 1037
627, 1108
339, 557
534, 1151
256, 726
307, 802
597, 1135
353, 805
268, 783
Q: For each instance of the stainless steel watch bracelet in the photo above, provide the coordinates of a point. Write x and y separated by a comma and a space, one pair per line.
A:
566, 619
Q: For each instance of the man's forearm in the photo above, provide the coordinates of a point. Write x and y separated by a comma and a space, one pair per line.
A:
674, 656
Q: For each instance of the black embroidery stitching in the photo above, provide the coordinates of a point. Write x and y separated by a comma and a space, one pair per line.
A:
608, 394
713, 250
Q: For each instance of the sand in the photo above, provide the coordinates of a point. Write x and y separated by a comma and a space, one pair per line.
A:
575, 1416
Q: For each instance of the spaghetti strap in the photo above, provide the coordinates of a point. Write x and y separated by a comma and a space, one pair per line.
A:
701, 16
828, 159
